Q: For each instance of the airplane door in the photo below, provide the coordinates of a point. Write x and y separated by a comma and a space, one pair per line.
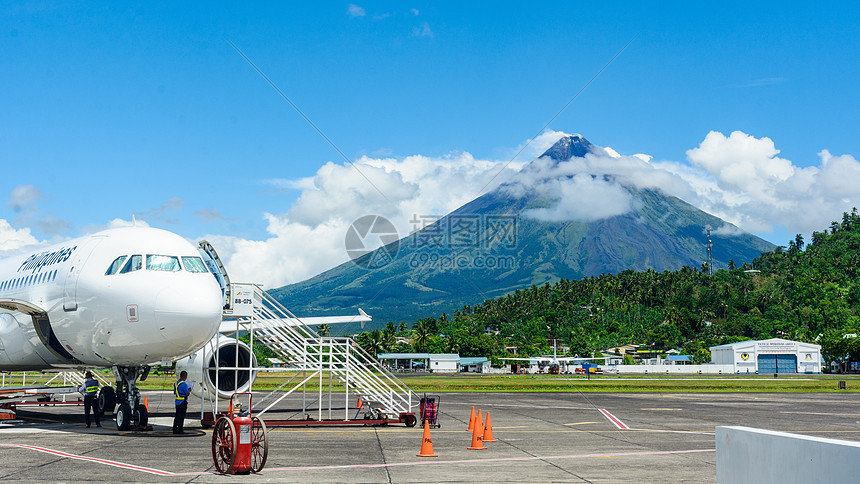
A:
73, 272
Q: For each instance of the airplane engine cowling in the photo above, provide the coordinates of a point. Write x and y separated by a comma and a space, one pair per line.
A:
201, 367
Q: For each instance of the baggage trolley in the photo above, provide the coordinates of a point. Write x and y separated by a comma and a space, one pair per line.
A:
429, 410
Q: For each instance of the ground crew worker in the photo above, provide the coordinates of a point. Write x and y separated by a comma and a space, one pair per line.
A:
90, 389
180, 391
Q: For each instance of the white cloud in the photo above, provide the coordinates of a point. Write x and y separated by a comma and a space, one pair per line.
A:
293, 253
22, 196
727, 230
355, 11
309, 238
743, 162
582, 197
14, 241
743, 181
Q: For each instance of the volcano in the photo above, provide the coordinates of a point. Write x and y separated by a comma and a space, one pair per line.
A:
574, 212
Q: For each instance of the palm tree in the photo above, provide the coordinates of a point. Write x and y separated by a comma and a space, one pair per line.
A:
323, 329
373, 342
422, 330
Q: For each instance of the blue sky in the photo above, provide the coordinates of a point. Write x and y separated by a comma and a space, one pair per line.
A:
148, 109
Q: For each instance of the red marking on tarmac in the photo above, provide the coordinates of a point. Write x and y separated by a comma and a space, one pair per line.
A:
612, 418
91, 459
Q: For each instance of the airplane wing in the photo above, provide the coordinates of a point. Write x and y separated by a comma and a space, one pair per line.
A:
361, 317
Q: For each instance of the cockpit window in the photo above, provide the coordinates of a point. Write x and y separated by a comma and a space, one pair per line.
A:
194, 264
162, 263
134, 263
115, 265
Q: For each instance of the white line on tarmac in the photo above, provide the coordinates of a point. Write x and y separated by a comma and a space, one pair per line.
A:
28, 430
500, 459
822, 413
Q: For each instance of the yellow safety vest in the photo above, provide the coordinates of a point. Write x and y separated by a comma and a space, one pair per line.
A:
176, 390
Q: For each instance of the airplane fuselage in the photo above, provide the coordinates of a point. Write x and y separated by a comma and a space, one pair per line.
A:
122, 297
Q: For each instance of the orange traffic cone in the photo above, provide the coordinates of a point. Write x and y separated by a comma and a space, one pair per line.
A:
472, 419
488, 430
359, 404
426, 443
146, 404
478, 433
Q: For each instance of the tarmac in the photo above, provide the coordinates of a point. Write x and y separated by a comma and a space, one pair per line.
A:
542, 437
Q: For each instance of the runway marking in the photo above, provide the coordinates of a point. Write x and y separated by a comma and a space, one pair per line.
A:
823, 413
515, 405
580, 423
91, 459
612, 418
159, 472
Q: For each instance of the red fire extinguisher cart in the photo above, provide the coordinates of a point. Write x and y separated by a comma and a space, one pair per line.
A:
239, 439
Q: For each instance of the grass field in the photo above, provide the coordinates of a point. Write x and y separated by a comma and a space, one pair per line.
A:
570, 383
422, 383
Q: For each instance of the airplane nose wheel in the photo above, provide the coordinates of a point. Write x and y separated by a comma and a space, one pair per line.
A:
141, 415
123, 417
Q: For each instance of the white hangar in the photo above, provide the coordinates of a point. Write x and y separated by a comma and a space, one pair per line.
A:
769, 356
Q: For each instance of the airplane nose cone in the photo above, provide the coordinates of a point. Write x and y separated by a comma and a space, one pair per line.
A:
188, 315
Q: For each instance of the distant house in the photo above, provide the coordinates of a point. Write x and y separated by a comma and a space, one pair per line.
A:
445, 363
679, 359
476, 364
276, 362
433, 362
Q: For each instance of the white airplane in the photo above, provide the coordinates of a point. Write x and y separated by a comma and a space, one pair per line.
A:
122, 298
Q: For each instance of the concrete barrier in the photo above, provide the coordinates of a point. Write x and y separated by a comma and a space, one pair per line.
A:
710, 369
748, 455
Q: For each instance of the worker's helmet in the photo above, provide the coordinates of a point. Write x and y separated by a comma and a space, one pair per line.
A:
89, 374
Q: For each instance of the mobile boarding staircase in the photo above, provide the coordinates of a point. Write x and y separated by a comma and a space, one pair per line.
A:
319, 361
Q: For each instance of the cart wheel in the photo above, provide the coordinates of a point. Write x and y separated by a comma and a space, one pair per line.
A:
410, 420
224, 445
259, 445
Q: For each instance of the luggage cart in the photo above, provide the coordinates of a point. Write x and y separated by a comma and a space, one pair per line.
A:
429, 410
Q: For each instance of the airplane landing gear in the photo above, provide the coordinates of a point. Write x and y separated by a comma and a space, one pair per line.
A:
131, 412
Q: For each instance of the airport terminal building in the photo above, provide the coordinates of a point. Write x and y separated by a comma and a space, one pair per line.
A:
769, 356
